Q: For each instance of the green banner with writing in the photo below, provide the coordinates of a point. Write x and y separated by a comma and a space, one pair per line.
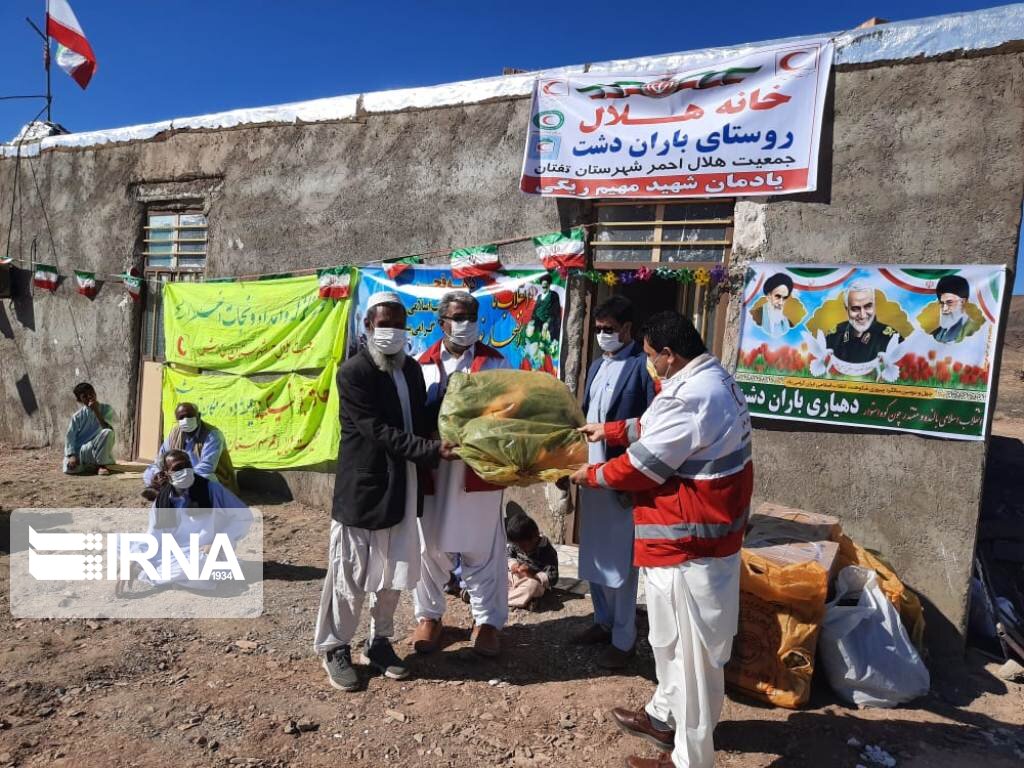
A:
221, 339
289, 422
259, 326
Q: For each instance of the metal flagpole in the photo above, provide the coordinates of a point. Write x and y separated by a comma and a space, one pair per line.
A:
46, 64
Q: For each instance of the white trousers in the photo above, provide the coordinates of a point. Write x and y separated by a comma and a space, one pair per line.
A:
691, 679
485, 574
351, 556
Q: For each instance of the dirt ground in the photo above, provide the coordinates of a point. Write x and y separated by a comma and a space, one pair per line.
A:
161, 693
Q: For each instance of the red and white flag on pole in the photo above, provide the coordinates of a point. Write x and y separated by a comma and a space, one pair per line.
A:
74, 54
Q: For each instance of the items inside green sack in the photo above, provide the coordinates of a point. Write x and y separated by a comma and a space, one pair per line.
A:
514, 427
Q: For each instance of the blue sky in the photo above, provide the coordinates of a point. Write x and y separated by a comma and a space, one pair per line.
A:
159, 60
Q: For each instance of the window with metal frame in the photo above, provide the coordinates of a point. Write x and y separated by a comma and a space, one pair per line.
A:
174, 250
674, 234
682, 233
175, 240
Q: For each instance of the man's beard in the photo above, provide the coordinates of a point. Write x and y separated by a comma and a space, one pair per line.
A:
860, 327
386, 363
948, 321
775, 318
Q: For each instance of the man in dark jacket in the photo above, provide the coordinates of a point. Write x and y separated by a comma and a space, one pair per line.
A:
618, 388
375, 544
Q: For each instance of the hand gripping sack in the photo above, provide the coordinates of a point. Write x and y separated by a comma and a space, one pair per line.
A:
868, 657
514, 427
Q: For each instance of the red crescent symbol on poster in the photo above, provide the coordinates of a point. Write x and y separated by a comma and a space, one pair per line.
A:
784, 62
181, 347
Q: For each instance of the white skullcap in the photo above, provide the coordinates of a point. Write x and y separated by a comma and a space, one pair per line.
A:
383, 297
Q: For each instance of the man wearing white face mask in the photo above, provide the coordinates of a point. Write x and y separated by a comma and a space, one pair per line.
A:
463, 515
189, 504
374, 540
618, 388
205, 446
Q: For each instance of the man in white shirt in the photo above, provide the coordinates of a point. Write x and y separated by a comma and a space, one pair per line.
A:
463, 515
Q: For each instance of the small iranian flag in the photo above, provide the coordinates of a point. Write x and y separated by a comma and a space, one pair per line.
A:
394, 267
562, 249
334, 282
134, 286
85, 283
478, 261
45, 277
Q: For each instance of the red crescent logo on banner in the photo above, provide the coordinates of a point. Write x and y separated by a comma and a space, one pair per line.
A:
786, 61
555, 88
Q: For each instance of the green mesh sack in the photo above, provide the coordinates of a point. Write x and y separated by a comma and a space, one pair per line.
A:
514, 427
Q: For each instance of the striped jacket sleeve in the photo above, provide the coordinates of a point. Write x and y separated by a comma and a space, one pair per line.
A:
672, 433
619, 434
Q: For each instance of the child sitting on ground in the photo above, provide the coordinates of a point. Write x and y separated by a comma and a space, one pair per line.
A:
532, 562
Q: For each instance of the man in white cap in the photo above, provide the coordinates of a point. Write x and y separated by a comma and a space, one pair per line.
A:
375, 546
463, 516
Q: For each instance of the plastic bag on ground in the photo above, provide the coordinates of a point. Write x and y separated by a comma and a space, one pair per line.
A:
514, 427
867, 654
781, 609
906, 602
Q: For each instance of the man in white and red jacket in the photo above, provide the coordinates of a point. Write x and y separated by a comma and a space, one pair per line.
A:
688, 466
462, 513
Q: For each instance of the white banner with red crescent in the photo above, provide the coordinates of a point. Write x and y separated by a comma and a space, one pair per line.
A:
747, 125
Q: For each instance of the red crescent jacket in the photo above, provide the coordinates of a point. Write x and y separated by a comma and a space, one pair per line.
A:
688, 466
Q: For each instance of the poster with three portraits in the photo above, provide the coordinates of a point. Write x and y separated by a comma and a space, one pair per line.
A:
909, 348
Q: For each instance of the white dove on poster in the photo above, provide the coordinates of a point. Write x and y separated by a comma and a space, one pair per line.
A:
820, 352
888, 371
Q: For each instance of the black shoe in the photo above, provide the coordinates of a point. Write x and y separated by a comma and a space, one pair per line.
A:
340, 672
381, 656
452, 587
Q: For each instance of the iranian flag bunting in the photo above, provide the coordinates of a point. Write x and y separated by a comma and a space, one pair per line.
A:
74, 54
45, 277
85, 283
134, 286
562, 249
478, 261
394, 267
334, 282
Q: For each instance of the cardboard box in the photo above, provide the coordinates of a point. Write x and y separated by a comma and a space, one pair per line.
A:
787, 536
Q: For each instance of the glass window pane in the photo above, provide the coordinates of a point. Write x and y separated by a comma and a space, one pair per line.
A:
163, 220
691, 211
615, 253
192, 262
692, 253
160, 234
626, 213
193, 219
192, 234
192, 247
613, 234
159, 261
160, 249
691, 234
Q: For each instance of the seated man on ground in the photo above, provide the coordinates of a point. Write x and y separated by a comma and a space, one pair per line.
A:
204, 444
89, 443
532, 562
187, 504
